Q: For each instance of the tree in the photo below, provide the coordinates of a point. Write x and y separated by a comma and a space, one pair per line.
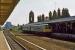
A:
65, 12
50, 15
23, 25
58, 12
54, 14
31, 17
42, 17
18, 25
38, 18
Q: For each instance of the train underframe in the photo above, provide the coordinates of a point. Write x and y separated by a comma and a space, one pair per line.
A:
47, 34
60, 36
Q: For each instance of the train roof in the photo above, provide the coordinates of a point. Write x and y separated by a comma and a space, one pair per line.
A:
37, 24
66, 19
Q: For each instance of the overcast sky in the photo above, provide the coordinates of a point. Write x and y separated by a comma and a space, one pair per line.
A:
20, 14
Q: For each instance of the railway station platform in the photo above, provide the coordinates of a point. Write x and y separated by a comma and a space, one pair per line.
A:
3, 42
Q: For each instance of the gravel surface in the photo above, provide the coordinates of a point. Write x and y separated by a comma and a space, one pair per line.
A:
12, 43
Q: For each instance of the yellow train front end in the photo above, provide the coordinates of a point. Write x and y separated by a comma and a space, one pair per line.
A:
47, 28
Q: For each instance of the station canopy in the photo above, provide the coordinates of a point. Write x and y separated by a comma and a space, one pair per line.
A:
6, 8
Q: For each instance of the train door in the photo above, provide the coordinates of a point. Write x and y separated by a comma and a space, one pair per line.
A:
62, 28
69, 27
52, 26
58, 27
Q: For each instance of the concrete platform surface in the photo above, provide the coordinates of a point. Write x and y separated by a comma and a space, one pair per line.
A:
3, 42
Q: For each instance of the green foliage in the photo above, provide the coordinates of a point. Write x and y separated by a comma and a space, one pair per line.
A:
39, 18
54, 14
31, 17
65, 12
42, 17
58, 13
50, 15
17, 28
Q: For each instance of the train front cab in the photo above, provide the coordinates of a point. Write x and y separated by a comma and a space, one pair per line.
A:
47, 28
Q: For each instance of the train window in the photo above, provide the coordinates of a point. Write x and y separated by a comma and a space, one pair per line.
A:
47, 27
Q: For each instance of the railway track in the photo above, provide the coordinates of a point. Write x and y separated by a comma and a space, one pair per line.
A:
24, 48
13, 43
26, 44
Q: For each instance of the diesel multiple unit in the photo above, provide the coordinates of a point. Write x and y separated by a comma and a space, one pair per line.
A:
63, 28
40, 28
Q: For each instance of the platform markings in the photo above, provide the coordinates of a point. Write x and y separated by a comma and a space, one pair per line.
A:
6, 42
32, 43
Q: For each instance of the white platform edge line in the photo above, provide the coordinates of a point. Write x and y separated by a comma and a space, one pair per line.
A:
18, 42
32, 43
6, 42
